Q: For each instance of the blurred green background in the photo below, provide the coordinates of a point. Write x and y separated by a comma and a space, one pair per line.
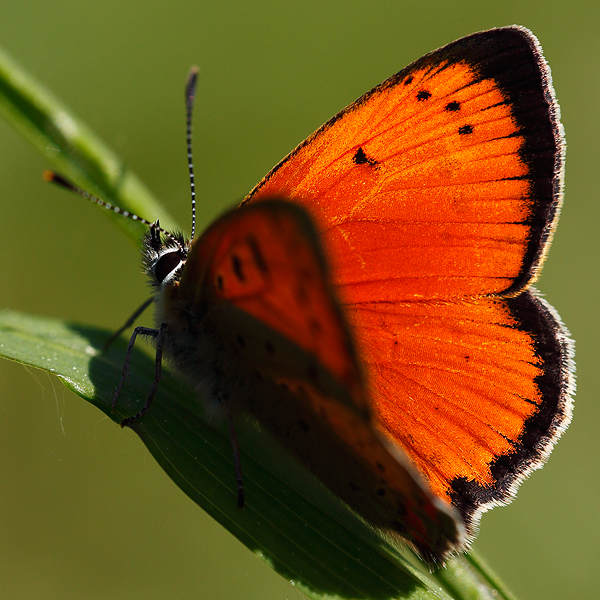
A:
84, 511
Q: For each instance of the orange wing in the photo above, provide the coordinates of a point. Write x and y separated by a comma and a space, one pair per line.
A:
256, 287
436, 195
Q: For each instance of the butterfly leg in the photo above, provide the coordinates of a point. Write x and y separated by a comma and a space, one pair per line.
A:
237, 463
159, 334
132, 319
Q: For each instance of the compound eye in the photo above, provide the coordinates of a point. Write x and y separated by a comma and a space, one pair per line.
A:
166, 265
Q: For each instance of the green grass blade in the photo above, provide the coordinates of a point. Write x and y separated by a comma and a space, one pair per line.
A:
469, 577
309, 538
72, 149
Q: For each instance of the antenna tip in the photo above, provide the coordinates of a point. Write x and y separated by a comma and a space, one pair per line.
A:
57, 179
190, 88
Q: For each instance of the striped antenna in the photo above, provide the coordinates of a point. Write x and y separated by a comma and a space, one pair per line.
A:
61, 181
190, 94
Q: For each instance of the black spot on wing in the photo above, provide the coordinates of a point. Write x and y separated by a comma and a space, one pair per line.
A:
465, 130
237, 267
453, 106
360, 158
259, 259
423, 95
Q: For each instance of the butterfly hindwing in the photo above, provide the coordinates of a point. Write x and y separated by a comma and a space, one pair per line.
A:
483, 373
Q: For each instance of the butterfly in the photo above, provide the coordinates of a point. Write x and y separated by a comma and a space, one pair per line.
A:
370, 303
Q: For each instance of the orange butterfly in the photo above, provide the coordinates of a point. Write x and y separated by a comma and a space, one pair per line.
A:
435, 197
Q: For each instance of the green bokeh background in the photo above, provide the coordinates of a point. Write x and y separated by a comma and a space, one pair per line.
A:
84, 511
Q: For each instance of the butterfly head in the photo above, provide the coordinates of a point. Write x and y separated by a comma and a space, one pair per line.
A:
163, 256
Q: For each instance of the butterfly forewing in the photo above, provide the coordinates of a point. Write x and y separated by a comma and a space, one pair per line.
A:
432, 179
